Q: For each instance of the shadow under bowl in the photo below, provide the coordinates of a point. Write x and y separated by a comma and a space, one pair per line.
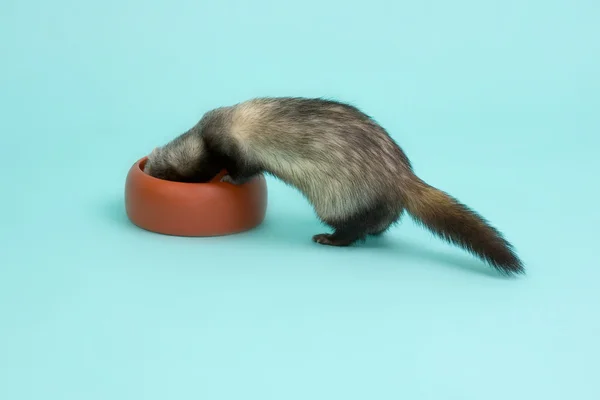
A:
193, 209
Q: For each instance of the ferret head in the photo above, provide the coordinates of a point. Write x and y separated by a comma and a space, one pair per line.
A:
182, 160
162, 164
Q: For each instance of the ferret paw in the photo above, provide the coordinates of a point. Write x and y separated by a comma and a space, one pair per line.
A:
328, 239
324, 238
229, 179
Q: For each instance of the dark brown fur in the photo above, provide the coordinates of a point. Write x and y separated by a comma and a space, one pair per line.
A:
355, 175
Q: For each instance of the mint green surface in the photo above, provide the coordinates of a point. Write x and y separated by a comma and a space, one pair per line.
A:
496, 102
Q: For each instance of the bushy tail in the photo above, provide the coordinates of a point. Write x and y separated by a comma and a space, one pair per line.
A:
456, 223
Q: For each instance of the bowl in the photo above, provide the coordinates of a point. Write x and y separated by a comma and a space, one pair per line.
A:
193, 209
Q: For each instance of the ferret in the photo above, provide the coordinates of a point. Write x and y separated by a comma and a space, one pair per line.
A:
355, 175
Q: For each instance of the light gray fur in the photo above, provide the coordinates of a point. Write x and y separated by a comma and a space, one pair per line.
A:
311, 151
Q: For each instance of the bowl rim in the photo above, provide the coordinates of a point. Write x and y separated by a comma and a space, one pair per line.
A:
215, 182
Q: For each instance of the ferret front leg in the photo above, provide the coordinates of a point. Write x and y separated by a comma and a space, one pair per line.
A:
236, 181
240, 176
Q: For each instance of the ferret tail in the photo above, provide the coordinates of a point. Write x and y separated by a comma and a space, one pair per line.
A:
454, 222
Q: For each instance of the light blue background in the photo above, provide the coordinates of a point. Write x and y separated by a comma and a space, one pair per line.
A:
494, 101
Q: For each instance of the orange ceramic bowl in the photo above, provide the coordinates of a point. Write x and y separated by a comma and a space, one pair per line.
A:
193, 209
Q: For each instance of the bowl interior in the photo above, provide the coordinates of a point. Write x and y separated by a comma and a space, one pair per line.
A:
142, 164
216, 179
